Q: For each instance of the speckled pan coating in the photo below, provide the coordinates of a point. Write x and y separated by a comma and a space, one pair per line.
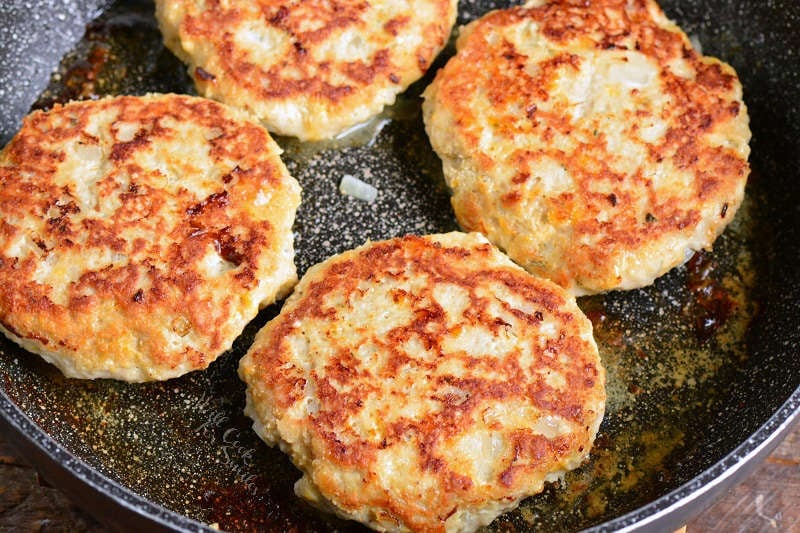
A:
181, 453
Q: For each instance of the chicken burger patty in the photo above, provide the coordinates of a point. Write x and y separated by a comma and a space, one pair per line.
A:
589, 140
426, 383
140, 234
307, 69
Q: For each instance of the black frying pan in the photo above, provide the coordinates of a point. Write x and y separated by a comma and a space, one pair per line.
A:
704, 366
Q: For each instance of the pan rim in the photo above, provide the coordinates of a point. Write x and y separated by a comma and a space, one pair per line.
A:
677, 505
704, 489
35, 444
668, 511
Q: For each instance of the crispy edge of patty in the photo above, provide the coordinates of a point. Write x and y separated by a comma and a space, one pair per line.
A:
627, 248
297, 94
135, 306
316, 430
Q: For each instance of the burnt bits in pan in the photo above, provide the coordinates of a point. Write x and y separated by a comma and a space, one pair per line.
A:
186, 446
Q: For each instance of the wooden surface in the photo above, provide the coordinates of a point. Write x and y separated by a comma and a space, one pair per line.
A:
767, 501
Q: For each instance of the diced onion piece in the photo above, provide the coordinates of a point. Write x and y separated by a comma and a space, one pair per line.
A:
696, 44
352, 186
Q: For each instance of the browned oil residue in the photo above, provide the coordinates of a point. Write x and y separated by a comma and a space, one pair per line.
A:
79, 80
235, 508
712, 305
605, 327
121, 52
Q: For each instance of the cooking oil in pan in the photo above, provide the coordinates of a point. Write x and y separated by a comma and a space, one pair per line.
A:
670, 349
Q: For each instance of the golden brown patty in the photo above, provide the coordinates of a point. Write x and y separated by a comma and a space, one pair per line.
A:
309, 69
140, 234
589, 140
426, 383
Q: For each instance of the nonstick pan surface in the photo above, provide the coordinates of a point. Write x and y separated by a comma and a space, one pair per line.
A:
703, 366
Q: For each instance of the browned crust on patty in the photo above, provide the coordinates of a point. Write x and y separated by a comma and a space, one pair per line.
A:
348, 387
611, 213
334, 89
138, 241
